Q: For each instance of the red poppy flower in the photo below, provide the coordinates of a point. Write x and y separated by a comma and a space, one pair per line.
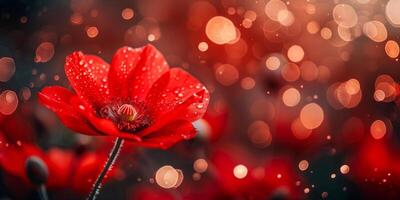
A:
137, 97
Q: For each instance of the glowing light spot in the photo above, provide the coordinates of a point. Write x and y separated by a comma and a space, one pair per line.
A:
56, 77
379, 95
23, 20
378, 129
299, 131
247, 83
291, 97
290, 72
323, 73
251, 15
220, 30
238, 34
240, 171
196, 176
310, 9
203, 46
247, 23
8, 102
76, 19
375, 30
392, 12
200, 165
295, 53
92, 31
392, 49
311, 116
7, 68
285, 17
231, 11
303, 165
326, 33
352, 86
346, 34
349, 93
344, 169
151, 37
273, 7
168, 177
236, 50
345, 15
44, 52
309, 71
226, 74
259, 134
273, 63
385, 87
26, 93
313, 27
127, 13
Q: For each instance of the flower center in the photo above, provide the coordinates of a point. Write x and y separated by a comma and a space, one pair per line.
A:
127, 112
127, 115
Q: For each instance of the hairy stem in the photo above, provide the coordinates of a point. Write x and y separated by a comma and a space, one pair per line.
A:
110, 161
42, 192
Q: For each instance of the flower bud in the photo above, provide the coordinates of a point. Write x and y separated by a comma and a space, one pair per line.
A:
36, 170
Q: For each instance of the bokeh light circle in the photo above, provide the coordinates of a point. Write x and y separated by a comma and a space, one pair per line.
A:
220, 30
311, 116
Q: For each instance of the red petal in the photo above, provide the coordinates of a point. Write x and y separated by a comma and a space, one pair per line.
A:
60, 100
169, 135
88, 76
177, 96
133, 71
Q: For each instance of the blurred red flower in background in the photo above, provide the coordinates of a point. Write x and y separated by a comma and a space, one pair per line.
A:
137, 98
69, 169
